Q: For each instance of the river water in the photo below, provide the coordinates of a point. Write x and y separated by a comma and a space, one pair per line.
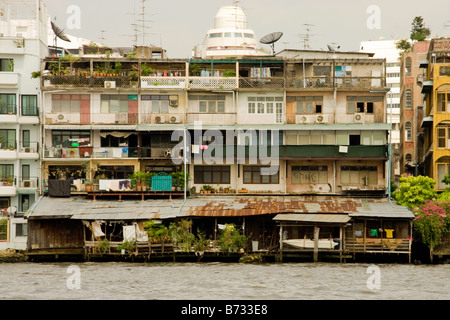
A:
223, 281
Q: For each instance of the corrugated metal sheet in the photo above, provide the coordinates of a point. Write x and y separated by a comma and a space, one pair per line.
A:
208, 206
310, 217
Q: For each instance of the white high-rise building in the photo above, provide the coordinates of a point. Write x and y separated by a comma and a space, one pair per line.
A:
385, 49
23, 43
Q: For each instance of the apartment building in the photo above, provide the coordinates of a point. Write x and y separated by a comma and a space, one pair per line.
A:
412, 108
23, 43
386, 49
259, 139
435, 87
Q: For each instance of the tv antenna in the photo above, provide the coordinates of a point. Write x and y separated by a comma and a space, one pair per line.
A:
270, 39
307, 36
143, 23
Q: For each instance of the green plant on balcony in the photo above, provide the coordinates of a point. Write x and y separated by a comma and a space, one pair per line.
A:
178, 179
11, 180
229, 73
139, 178
104, 246
146, 70
35, 74
194, 69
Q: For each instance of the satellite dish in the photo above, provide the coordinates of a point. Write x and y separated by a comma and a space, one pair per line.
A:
59, 33
332, 48
271, 38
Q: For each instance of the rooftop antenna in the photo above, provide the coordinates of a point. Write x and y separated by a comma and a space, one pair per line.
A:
307, 36
143, 21
271, 38
102, 37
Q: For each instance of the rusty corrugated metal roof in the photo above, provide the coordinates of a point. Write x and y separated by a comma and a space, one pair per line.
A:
214, 206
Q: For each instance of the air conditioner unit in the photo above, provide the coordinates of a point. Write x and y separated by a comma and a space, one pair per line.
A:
158, 119
61, 118
173, 103
359, 117
110, 84
174, 119
27, 183
301, 119
27, 149
168, 153
321, 119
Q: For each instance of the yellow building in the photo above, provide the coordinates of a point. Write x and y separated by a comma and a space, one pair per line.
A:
436, 122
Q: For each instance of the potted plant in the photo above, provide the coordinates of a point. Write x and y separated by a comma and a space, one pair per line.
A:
104, 246
139, 177
11, 180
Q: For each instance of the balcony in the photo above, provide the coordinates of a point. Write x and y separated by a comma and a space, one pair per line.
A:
261, 83
326, 82
212, 83
163, 82
8, 114
211, 118
91, 118
29, 151
90, 152
8, 150
9, 79
28, 183
87, 81
332, 152
309, 83
8, 186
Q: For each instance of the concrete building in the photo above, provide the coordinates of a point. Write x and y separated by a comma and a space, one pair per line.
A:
296, 142
436, 129
386, 49
23, 43
411, 108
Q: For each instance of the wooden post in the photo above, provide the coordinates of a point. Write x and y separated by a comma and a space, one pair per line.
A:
316, 243
341, 243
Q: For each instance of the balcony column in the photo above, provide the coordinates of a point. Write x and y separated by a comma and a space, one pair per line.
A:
316, 244
237, 78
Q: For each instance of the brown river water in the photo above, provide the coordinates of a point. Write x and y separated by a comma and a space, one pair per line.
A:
223, 281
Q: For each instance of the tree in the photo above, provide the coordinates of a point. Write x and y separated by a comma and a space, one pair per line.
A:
431, 223
418, 30
414, 191
403, 45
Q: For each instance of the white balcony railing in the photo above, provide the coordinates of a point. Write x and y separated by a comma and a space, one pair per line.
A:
213, 82
163, 82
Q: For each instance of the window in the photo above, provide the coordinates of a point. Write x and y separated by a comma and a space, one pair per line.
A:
355, 139
408, 67
443, 101
442, 170
263, 105
210, 103
212, 174
114, 103
362, 104
67, 103
115, 140
319, 71
7, 103
443, 135
408, 131
4, 229
68, 138
307, 105
252, 175
7, 138
29, 105
6, 170
309, 174
6, 65
408, 157
159, 103
359, 175
25, 202
25, 172
25, 138
215, 35
21, 230
305, 137
408, 99
117, 172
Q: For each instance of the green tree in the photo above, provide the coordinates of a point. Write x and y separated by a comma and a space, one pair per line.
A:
181, 235
414, 191
230, 238
403, 45
418, 30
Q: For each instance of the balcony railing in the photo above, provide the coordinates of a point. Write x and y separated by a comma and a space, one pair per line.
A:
360, 82
309, 82
163, 82
92, 118
211, 118
212, 82
28, 182
108, 82
262, 83
90, 152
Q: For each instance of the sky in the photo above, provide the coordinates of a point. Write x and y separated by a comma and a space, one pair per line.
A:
179, 25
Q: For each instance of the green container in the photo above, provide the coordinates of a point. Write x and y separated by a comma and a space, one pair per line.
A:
161, 183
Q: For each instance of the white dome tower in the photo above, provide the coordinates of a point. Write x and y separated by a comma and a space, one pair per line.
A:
230, 36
